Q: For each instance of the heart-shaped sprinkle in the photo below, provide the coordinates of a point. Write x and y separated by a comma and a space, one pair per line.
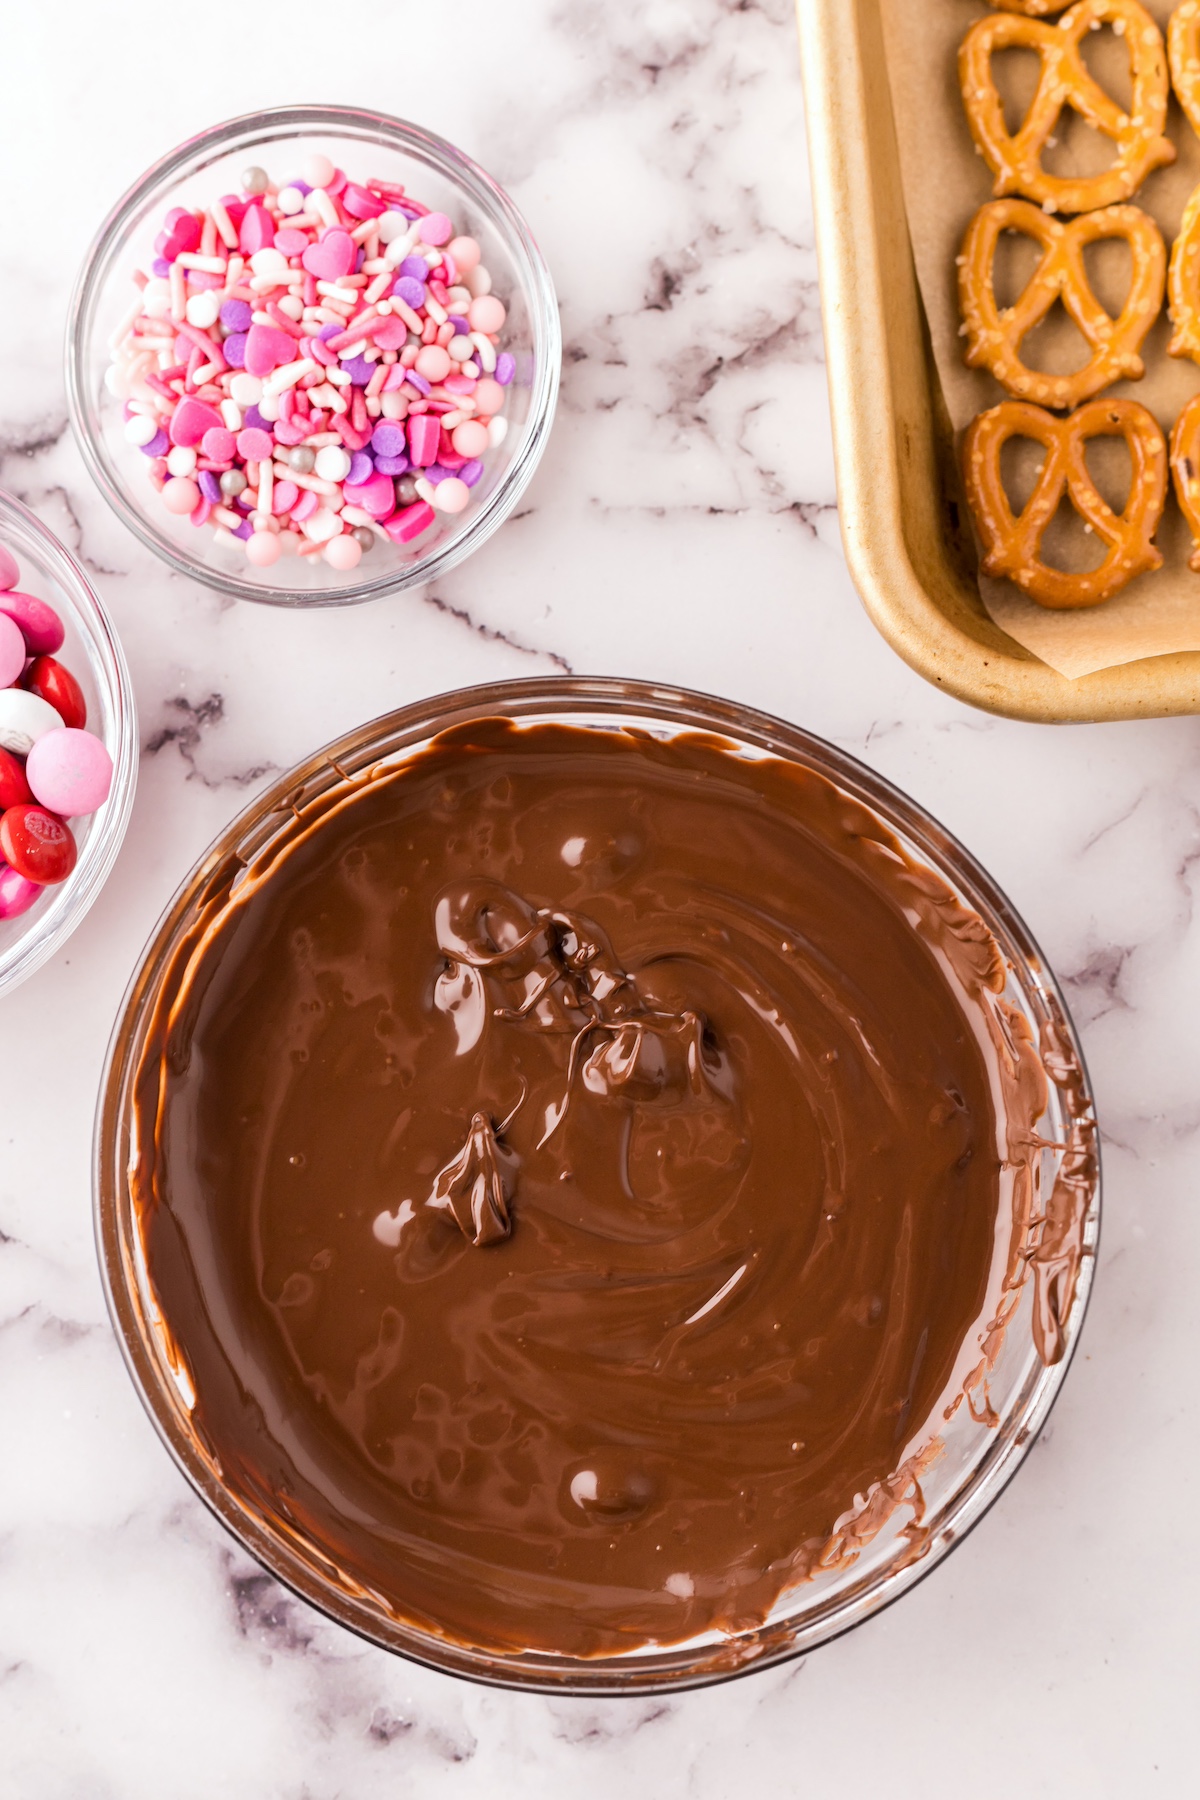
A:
332, 256
376, 496
266, 349
257, 231
191, 419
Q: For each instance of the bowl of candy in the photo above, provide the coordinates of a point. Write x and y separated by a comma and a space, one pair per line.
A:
68, 743
313, 356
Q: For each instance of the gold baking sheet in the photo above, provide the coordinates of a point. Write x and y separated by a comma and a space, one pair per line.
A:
903, 520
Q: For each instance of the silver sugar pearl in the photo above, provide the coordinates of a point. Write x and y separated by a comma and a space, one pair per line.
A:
233, 483
364, 536
255, 181
302, 459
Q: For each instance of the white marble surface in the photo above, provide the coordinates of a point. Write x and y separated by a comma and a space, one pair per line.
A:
682, 526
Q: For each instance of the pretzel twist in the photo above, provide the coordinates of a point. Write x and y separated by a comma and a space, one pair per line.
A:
1012, 543
1185, 471
1032, 9
1183, 284
994, 337
1183, 52
1015, 161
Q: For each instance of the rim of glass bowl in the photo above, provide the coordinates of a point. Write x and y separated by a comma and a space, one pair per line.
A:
579, 700
106, 659
268, 127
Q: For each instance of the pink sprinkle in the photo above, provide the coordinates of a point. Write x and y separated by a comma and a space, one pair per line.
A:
218, 444
291, 243
306, 504
435, 228
253, 444
423, 439
402, 527
284, 496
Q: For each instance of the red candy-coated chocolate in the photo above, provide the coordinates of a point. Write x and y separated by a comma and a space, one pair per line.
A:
36, 844
14, 788
47, 678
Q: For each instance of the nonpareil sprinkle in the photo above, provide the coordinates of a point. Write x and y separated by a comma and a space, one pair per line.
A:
313, 366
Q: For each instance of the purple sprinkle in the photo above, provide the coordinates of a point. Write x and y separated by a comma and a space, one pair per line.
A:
417, 381
411, 291
470, 472
236, 315
359, 370
437, 472
301, 187
506, 368
160, 267
244, 530
254, 420
388, 439
330, 331
159, 444
415, 268
362, 467
461, 327
392, 465
359, 261
234, 349
210, 486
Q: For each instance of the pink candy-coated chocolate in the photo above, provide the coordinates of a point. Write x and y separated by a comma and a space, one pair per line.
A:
16, 894
10, 572
333, 255
12, 651
37, 621
70, 772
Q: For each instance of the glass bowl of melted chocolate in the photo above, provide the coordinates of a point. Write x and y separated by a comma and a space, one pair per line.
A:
596, 1189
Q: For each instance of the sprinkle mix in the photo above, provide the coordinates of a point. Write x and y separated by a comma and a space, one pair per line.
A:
311, 367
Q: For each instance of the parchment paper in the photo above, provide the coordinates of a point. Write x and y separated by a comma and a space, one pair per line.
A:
945, 182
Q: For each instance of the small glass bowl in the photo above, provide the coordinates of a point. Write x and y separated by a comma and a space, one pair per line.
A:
94, 656
981, 1450
365, 144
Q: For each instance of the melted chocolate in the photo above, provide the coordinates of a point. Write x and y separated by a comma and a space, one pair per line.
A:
570, 1174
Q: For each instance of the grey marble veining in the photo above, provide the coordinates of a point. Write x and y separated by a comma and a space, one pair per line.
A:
682, 527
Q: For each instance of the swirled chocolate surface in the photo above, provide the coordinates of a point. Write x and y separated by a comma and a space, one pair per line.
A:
569, 1173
